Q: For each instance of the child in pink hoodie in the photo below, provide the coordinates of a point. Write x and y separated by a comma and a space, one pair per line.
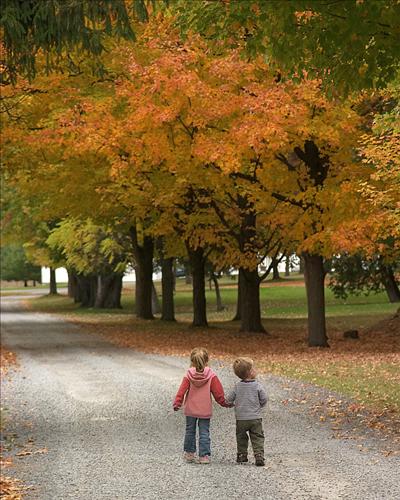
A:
195, 393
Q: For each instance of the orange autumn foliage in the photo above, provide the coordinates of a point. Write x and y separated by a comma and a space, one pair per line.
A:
191, 132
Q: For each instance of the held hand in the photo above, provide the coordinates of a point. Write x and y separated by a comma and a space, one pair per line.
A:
176, 408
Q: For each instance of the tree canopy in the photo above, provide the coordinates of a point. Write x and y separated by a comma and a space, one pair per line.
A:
352, 44
59, 27
15, 265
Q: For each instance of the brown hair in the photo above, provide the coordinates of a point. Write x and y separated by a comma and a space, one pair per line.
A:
242, 367
199, 358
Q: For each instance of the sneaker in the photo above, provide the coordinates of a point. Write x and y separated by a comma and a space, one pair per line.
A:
204, 460
259, 460
189, 456
242, 458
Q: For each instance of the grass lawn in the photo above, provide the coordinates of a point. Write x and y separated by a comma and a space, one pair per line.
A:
284, 301
8, 289
367, 369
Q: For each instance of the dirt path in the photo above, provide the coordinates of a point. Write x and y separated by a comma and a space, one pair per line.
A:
104, 415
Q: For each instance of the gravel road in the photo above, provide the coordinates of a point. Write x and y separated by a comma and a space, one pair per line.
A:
104, 414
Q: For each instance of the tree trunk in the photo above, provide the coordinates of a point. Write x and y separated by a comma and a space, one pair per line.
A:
137, 291
250, 312
391, 286
315, 285
113, 300
73, 277
144, 291
144, 275
188, 273
238, 315
53, 282
73, 288
197, 262
108, 291
301, 264
25, 283
87, 290
250, 303
287, 265
155, 303
275, 270
220, 306
168, 285
34, 282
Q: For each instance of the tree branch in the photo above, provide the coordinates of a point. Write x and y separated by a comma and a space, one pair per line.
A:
222, 218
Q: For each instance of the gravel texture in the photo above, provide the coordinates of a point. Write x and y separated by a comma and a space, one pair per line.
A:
104, 414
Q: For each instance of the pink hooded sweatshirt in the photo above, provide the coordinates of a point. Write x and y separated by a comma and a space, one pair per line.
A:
195, 393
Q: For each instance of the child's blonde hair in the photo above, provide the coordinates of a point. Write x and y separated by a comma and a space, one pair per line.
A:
199, 358
242, 367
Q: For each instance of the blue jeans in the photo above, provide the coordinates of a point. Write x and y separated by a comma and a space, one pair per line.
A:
204, 436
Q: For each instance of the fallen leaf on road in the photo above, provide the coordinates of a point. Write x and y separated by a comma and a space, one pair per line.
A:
5, 462
8, 360
41, 451
10, 489
23, 453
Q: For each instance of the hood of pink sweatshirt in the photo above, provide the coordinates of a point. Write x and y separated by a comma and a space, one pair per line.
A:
198, 379
198, 399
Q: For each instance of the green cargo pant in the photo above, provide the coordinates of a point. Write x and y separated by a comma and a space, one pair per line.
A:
254, 429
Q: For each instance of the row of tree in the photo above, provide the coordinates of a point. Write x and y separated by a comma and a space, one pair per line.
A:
187, 149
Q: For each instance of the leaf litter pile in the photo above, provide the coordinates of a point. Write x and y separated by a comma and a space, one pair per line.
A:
366, 370
8, 360
10, 488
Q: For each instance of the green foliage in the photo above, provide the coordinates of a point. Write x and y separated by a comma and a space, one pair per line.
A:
388, 122
355, 274
89, 248
350, 43
58, 27
15, 265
